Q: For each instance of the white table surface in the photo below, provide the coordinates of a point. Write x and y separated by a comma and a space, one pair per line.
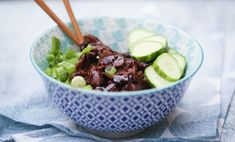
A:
21, 22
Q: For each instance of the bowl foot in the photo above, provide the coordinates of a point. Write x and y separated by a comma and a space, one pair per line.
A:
115, 135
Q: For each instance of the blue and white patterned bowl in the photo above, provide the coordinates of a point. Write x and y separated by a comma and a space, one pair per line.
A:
117, 112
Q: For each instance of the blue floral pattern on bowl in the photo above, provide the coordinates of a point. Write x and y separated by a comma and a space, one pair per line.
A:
117, 111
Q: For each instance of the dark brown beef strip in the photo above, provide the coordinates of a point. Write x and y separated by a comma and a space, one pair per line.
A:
129, 75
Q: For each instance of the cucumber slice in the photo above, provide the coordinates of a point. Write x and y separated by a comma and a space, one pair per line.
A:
171, 51
154, 38
154, 79
157, 38
137, 35
146, 51
181, 61
167, 66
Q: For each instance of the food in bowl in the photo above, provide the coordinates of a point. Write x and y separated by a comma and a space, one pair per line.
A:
124, 113
151, 63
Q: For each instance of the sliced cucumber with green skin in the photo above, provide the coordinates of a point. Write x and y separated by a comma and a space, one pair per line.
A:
157, 38
138, 34
171, 51
146, 51
181, 61
154, 38
154, 79
167, 66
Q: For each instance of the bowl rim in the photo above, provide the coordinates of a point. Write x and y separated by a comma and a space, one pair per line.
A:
122, 93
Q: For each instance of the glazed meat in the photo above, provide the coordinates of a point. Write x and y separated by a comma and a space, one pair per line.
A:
128, 77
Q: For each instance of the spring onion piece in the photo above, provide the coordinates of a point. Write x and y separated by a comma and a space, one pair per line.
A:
67, 82
78, 55
51, 57
110, 70
70, 68
62, 64
61, 74
59, 58
48, 71
87, 49
51, 63
88, 87
84, 51
73, 61
53, 73
69, 54
55, 49
78, 82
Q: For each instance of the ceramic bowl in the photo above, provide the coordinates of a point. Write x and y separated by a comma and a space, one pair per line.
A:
117, 114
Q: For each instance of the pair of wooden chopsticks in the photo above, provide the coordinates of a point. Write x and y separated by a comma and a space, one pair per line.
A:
77, 37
